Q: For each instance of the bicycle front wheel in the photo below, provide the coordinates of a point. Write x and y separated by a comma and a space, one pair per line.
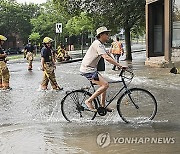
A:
137, 105
73, 106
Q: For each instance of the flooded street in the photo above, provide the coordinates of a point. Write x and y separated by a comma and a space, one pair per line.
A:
31, 121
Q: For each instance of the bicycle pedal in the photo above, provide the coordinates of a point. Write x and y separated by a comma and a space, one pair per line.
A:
85, 88
102, 111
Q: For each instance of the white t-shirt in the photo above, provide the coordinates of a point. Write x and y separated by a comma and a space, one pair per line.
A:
92, 57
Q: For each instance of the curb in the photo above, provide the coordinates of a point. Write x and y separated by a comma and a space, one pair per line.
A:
138, 50
80, 59
70, 61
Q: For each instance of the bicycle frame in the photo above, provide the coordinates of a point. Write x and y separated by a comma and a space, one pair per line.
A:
116, 94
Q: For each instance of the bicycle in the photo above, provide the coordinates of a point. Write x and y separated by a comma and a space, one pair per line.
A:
133, 105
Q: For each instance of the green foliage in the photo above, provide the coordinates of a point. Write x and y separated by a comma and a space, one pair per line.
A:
79, 24
34, 37
15, 18
115, 14
45, 23
70, 7
77, 17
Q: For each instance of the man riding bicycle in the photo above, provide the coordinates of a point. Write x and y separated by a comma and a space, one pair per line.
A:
89, 66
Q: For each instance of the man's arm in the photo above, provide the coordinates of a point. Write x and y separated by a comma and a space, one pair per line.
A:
54, 60
42, 63
110, 60
25, 53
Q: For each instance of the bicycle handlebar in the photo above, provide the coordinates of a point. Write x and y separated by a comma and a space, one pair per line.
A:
128, 70
123, 69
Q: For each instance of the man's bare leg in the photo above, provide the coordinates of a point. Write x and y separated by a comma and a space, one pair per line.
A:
102, 89
103, 98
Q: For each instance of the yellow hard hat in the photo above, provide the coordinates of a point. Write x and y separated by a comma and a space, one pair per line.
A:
3, 38
47, 40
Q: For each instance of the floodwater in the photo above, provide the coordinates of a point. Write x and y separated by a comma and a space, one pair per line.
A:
31, 121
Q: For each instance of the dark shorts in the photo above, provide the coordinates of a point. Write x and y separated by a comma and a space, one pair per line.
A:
91, 76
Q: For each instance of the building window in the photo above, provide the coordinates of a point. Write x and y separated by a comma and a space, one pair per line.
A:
176, 24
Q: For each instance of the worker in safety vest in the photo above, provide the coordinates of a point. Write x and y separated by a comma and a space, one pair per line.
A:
116, 50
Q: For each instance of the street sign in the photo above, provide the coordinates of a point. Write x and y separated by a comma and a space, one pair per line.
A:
90, 36
59, 28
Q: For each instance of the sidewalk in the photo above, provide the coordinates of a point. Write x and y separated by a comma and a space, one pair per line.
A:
77, 54
145, 76
154, 77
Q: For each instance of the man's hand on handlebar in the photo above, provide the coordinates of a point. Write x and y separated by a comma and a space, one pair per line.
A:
125, 67
122, 67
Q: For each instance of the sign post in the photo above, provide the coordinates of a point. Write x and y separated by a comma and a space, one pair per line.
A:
58, 28
58, 31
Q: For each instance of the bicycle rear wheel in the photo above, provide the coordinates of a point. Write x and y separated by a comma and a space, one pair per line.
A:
137, 105
73, 106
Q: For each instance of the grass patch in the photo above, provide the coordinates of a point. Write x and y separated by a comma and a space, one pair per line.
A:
15, 57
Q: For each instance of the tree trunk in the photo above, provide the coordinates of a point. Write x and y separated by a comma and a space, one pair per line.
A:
128, 44
82, 41
69, 40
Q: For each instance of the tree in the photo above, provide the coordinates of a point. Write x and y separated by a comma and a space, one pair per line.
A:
79, 25
45, 23
126, 14
34, 37
115, 14
28, 11
15, 18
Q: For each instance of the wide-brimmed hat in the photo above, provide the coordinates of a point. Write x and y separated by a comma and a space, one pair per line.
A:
101, 30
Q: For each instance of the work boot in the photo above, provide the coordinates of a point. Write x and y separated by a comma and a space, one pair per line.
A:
29, 68
57, 88
6, 88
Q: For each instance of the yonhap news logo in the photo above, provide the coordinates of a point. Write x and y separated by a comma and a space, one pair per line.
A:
104, 140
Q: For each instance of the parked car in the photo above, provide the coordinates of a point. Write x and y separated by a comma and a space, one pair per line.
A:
13, 51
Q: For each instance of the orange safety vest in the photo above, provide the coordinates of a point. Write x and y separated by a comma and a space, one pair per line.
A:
117, 48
